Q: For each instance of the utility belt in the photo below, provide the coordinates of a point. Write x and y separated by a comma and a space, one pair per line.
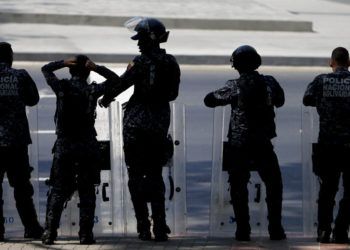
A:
327, 158
248, 157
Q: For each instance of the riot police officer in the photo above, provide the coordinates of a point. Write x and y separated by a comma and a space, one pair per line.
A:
75, 161
252, 98
155, 76
330, 94
17, 90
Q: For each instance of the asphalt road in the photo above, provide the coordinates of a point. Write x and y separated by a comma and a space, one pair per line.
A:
196, 82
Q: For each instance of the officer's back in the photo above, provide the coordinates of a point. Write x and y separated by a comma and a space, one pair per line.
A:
330, 94
17, 90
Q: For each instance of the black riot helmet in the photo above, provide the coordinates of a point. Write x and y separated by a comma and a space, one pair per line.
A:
6, 53
148, 28
245, 59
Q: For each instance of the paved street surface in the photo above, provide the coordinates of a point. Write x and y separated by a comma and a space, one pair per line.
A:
185, 243
43, 37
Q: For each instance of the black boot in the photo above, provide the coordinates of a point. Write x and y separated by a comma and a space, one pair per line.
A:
86, 238
274, 210
161, 232
87, 214
276, 232
27, 213
143, 228
323, 236
54, 210
49, 237
34, 232
340, 235
160, 228
242, 232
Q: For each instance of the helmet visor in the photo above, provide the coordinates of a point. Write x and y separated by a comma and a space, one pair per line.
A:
131, 26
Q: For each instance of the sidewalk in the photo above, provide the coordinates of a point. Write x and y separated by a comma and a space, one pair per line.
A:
40, 40
185, 243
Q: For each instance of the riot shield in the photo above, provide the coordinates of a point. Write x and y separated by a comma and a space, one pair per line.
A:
222, 219
105, 218
174, 177
309, 132
103, 212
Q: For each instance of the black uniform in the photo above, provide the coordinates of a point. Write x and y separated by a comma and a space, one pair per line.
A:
252, 98
330, 94
146, 122
17, 90
75, 163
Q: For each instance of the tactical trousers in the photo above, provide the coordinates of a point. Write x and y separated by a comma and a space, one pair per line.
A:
146, 185
332, 164
15, 163
68, 175
266, 164
326, 201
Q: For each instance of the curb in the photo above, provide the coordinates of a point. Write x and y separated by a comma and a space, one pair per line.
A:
182, 59
172, 23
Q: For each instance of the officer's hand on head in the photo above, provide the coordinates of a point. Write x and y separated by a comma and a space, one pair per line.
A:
90, 65
70, 62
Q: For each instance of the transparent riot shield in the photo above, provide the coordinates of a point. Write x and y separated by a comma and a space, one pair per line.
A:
103, 212
222, 219
105, 219
13, 224
309, 132
174, 175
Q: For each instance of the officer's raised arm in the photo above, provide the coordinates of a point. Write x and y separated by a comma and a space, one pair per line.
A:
50, 76
102, 70
116, 87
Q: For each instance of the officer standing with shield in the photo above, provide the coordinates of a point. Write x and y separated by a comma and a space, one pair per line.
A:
155, 76
76, 152
252, 98
330, 94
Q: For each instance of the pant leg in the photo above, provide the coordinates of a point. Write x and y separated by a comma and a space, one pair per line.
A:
137, 189
87, 196
2, 171
157, 198
19, 178
270, 173
328, 189
62, 186
238, 179
342, 220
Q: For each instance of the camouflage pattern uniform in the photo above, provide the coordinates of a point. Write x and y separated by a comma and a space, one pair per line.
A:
330, 94
250, 132
146, 122
75, 163
17, 90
